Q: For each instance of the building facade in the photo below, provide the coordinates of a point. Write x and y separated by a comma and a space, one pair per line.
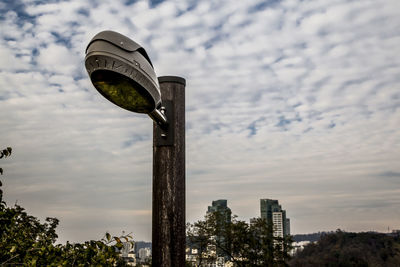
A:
144, 254
277, 221
224, 216
273, 213
221, 206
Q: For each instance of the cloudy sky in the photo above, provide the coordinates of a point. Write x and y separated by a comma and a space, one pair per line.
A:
291, 100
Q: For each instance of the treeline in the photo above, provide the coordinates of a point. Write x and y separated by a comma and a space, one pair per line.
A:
351, 249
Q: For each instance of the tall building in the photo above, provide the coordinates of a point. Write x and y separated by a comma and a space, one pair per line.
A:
221, 206
224, 216
273, 213
287, 226
277, 221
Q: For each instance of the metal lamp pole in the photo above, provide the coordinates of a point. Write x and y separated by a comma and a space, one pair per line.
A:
122, 72
168, 225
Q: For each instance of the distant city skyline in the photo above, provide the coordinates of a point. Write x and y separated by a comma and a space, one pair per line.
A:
291, 100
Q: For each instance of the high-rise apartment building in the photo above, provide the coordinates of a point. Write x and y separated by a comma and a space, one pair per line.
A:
273, 213
221, 206
223, 216
287, 226
277, 221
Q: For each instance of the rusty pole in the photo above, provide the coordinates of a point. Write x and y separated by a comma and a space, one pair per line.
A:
168, 226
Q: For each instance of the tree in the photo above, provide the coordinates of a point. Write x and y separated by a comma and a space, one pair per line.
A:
4, 154
24, 240
244, 244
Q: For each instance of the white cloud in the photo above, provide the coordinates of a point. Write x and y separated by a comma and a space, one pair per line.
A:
295, 101
58, 59
10, 61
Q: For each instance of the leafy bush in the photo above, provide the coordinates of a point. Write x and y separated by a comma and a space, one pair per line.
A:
24, 240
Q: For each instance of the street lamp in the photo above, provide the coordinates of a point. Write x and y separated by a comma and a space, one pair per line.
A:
123, 73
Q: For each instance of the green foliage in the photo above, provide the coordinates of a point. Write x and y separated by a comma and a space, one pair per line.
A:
351, 249
242, 243
24, 240
4, 154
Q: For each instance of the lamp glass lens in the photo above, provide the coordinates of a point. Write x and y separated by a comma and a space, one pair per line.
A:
123, 91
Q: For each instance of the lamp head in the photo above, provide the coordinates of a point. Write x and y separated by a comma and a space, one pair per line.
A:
122, 72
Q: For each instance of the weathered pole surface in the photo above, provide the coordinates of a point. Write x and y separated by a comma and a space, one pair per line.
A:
168, 229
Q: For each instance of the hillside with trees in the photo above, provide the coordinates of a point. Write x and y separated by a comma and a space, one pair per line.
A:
351, 249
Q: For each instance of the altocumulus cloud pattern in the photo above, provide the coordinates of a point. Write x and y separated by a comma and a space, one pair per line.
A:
292, 100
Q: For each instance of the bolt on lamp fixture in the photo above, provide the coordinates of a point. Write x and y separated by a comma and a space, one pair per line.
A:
122, 72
